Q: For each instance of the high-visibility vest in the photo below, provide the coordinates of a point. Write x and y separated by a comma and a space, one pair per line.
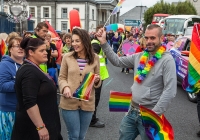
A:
44, 65
103, 69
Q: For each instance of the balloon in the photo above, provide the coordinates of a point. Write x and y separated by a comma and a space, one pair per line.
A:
115, 27
74, 19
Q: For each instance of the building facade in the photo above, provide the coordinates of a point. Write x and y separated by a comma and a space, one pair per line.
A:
196, 4
56, 12
137, 13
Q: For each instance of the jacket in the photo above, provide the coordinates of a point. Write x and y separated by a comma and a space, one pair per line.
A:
8, 69
71, 76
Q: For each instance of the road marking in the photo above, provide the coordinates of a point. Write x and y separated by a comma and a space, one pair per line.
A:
109, 82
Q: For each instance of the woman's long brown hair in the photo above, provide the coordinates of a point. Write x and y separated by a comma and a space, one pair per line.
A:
85, 40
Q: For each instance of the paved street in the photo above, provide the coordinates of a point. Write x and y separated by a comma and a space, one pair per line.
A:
182, 113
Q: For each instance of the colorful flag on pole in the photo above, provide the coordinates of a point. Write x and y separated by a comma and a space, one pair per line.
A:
156, 128
119, 101
84, 90
117, 8
58, 43
192, 84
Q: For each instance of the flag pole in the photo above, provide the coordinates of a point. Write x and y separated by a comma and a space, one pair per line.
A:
197, 30
107, 20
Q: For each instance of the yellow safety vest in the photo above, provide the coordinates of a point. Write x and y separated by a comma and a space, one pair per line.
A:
44, 65
103, 69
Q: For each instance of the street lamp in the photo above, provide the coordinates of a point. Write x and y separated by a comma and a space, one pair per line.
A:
2, 6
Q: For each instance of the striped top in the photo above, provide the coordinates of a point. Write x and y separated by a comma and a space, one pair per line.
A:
81, 63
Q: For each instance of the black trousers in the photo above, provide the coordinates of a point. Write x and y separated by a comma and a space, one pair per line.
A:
97, 99
198, 106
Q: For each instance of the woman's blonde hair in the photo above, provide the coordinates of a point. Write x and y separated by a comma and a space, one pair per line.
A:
11, 35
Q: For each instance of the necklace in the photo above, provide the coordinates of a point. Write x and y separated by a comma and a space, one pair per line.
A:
144, 66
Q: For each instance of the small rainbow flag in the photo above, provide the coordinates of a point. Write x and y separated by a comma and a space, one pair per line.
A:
157, 128
192, 83
3, 48
119, 101
117, 8
84, 90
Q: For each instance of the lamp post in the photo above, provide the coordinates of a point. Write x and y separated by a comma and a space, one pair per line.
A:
2, 5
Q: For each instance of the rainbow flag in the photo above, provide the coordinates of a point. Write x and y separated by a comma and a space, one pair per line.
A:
157, 128
192, 83
84, 90
119, 101
3, 48
117, 8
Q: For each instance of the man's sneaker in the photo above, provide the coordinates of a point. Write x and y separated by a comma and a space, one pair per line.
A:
98, 124
127, 72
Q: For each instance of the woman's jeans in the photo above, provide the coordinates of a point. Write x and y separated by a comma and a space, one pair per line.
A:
115, 46
77, 123
131, 126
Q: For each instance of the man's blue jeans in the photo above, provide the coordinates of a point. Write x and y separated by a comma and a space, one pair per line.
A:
77, 123
131, 126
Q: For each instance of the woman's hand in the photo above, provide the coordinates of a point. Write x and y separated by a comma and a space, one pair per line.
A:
43, 134
97, 78
67, 92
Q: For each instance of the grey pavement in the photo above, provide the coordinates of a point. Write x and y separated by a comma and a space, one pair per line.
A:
182, 114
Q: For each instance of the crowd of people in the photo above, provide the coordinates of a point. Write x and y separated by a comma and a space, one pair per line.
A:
31, 75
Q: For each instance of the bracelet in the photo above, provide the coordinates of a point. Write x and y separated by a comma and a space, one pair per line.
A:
41, 127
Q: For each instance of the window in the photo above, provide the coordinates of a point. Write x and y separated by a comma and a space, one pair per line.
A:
32, 11
92, 14
46, 12
76, 9
64, 13
64, 25
103, 16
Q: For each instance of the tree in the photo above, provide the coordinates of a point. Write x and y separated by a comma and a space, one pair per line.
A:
182, 8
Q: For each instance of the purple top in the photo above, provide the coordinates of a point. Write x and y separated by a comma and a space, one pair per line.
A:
116, 39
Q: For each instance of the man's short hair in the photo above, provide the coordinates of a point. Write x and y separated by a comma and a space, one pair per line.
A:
40, 25
155, 26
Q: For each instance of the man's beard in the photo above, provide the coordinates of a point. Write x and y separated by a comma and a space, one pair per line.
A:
154, 48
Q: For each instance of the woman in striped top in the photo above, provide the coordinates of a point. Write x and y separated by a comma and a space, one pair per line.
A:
76, 113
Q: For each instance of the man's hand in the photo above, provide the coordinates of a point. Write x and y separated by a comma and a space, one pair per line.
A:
101, 35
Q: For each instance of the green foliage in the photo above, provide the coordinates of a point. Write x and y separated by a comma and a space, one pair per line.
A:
182, 8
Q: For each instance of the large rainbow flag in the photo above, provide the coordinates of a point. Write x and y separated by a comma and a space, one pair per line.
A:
84, 90
157, 128
192, 84
119, 101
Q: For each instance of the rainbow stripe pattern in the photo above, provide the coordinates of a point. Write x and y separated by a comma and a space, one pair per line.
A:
84, 90
119, 101
117, 8
193, 81
3, 48
157, 128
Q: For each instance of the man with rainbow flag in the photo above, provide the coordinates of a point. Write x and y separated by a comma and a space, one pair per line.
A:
154, 86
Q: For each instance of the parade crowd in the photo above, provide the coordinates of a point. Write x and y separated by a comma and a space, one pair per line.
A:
31, 75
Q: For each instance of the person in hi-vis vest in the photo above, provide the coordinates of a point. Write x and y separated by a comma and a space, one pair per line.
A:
95, 122
40, 32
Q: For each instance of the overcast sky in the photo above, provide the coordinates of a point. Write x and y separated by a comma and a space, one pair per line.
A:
129, 4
